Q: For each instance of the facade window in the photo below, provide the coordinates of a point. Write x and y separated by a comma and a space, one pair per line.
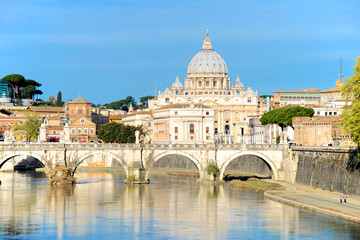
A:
325, 113
199, 84
87, 111
167, 100
85, 130
216, 131
215, 115
335, 113
207, 137
73, 130
79, 130
176, 113
318, 113
80, 111
191, 137
72, 111
207, 113
192, 128
207, 84
207, 129
91, 131
249, 100
176, 137
176, 130
330, 113
227, 115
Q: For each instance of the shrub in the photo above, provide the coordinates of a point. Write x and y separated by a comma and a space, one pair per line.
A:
212, 169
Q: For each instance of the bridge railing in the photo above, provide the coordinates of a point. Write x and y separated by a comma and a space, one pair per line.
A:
81, 146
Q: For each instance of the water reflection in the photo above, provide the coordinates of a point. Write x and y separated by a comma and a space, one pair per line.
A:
101, 206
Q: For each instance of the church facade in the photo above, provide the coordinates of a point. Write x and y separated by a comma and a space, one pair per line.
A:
208, 83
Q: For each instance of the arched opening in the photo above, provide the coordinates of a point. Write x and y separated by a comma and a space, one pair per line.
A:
21, 163
91, 165
247, 166
174, 165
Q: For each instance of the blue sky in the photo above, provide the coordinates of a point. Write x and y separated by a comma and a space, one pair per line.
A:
111, 49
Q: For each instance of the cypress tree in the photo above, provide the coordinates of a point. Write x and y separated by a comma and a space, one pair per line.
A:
59, 100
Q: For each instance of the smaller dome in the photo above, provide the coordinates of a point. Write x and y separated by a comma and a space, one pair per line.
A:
237, 83
177, 84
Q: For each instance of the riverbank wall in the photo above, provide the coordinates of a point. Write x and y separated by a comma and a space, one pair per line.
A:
328, 168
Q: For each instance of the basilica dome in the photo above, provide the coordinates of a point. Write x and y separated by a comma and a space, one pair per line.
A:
207, 60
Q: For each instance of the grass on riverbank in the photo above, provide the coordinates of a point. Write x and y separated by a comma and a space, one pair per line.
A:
254, 185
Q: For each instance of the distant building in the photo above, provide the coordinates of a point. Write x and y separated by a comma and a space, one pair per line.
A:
82, 128
320, 131
208, 83
299, 97
183, 123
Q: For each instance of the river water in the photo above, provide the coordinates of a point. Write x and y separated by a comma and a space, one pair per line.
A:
101, 206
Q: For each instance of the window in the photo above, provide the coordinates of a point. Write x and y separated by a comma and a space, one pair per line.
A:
330, 113
176, 130
91, 131
318, 112
82, 120
80, 111
192, 128
207, 113
191, 137
176, 137
249, 100
72, 111
79, 130
207, 137
199, 84
207, 129
167, 100
215, 115
216, 131
227, 115
335, 113
73, 130
85, 130
207, 84
176, 113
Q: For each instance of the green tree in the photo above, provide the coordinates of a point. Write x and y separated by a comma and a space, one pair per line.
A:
123, 104
145, 101
283, 116
59, 100
350, 117
117, 133
16, 81
32, 127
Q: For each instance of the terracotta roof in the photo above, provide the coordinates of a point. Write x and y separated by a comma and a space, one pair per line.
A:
47, 109
53, 127
78, 100
309, 90
334, 89
118, 117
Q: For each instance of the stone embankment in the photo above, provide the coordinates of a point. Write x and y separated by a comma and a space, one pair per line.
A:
317, 200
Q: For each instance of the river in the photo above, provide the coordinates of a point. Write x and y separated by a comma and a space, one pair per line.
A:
101, 206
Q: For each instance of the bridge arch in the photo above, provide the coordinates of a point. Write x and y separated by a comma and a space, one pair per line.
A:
268, 161
13, 155
197, 163
83, 157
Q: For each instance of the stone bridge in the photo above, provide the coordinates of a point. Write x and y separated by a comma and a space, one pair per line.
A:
139, 158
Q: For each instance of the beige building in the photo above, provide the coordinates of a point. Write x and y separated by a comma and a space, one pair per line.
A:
82, 128
320, 131
183, 123
208, 83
